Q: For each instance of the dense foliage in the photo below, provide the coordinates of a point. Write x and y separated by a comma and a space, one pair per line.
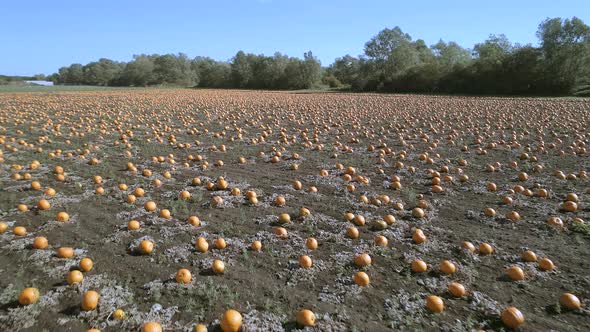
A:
392, 62
248, 71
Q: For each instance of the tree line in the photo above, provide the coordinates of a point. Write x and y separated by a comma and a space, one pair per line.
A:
392, 62
245, 71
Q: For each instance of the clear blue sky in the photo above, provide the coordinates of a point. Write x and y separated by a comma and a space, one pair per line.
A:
41, 36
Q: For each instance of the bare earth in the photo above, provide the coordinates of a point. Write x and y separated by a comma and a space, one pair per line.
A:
416, 138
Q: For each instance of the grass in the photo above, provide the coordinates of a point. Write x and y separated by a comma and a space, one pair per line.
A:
67, 88
583, 228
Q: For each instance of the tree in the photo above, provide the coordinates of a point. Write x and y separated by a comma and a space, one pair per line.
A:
241, 70
174, 69
381, 46
73, 74
345, 69
448, 55
104, 72
139, 71
211, 73
564, 47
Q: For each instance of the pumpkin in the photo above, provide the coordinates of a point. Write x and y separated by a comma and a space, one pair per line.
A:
65, 252
63, 216
151, 327
572, 197
40, 242
146, 247
184, 195
418, 236
74, 277
183, 276
485, 249
447, 267
512, 317
418, 266
569, 206
311, 243
304, 212
352, 232
284, 218
90, 300
218, 266
456, 289
28, 296
119, 314
489, 212
529, 256
466, 245
35, 185
218, 201
201, 245
200, 328
515, 273
361, 278
305, 261
231, 321
19, 231
389, 219
219, 243
569, 301
305, 317
381, 241
150, 206
3, 227
256, 245
418, 212
281, 232
280, 201
86, 264
194, 221
546, 264
165, 213
362, 260
43, 204
491, 187
434, 304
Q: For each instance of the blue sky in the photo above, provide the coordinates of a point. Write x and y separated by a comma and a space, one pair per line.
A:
41, 36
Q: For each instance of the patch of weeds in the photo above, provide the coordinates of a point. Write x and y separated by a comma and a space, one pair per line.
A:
179, 205
582, 228
408, 195
246, 253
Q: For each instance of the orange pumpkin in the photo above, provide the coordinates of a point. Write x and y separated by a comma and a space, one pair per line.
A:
28, 296
90, 300
231, 321
512, 317
305, 317
435, 304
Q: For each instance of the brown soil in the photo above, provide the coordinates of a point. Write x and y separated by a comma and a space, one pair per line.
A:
269, 287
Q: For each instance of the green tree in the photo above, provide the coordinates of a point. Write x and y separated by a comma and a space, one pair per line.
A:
139, 71
381, 46
450, 54
564, 47
104, 72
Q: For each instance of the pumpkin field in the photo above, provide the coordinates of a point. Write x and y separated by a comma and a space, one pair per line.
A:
227, 210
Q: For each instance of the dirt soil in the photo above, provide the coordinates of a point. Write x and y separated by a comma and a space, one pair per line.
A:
381, 136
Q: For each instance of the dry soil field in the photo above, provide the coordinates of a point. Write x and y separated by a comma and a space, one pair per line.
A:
163, 209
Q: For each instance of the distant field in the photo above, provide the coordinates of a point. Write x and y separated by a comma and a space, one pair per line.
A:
59, 88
